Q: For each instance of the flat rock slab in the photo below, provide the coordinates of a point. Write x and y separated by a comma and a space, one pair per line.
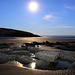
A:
26, 53
24, 59
47, 56
41, 64
73, 64
66, 56
5, 58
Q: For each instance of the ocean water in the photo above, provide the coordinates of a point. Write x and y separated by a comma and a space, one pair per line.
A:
69, 36
7, 37
47, 36
38, 39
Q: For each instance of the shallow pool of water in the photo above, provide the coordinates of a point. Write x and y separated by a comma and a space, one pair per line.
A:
61, 65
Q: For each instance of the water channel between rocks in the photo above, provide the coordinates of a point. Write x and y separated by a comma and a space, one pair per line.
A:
39, 64
37, 54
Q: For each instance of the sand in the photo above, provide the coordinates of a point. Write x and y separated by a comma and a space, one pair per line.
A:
12, 69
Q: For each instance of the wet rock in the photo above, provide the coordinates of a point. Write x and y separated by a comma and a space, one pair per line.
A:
64, 65
18, 48
48, 56
4, 45
33, 50
26, 53
42, 64
5, 58
5, 50
73, 64
24, 59
66, 56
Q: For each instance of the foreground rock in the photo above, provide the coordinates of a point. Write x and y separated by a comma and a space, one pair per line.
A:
33, 50
51, 56
24, 59
66, 56
5, 58
4, 50
18, 48
47, 56
63, 65
4, 45
41, 64
22, 52
73, 64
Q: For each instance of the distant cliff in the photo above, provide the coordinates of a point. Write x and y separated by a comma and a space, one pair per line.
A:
5, 32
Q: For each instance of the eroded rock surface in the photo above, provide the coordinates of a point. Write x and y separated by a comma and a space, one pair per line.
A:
73, 64
22, 52
5, 58
66, 56
42, 64
48, 56
24, 59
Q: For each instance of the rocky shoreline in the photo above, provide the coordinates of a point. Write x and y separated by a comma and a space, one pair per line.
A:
23, 55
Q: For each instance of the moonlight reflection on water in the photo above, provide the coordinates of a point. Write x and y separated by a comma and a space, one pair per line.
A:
33, 65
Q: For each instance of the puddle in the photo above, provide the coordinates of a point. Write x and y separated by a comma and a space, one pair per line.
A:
61, 65
39, 64
64, 65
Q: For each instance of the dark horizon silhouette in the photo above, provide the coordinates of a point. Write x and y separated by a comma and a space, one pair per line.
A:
5, 32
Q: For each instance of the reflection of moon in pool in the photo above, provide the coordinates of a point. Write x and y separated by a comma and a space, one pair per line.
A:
33, 65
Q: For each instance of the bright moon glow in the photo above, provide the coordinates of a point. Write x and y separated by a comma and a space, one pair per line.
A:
33, 6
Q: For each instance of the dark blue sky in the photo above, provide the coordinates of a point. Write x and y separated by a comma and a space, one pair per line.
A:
54, 17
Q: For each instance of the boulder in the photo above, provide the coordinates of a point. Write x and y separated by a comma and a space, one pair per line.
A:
73, 64
63, 65
42, 64
4, 45
48, 56
24, 59
33, 50
5, 50
66, 56
26, 53
5, 58
18, 48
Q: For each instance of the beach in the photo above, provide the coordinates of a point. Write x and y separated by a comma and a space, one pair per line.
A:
16, 68
8, 69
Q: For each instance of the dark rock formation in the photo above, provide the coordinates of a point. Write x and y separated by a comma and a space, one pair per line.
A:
4, 32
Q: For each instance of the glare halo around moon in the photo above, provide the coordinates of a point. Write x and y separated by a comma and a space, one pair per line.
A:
33, 6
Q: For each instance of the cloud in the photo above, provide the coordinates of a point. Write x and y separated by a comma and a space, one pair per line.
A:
47, 17
62, 26
70, 7
50, 18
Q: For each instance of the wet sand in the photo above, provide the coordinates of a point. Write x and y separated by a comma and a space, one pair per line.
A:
20, 41
9, 69
12, 69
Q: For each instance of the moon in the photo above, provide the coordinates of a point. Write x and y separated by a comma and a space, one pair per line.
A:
33, 6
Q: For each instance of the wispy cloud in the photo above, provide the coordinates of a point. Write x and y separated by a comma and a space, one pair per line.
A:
62, 26
50, 18
47, 17
70, 7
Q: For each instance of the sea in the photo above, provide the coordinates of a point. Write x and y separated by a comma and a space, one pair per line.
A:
52, 39
69, 36
42, 39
